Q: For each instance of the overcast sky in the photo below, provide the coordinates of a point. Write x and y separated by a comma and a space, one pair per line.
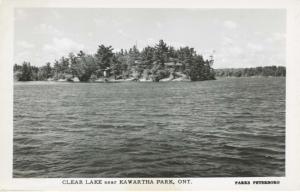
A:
240, 38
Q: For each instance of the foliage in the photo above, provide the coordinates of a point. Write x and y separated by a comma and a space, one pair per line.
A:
160, 74
45, 72
25, 72
248, 72
152, 62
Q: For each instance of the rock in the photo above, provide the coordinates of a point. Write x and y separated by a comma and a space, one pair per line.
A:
145, 80
166, 79
181, 79
75, 79
100, 80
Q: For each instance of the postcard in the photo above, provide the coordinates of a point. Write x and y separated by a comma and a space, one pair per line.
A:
149, 95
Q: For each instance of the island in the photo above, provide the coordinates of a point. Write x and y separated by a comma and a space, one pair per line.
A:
158, 63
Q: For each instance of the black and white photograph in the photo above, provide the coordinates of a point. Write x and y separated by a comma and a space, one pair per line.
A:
149, 92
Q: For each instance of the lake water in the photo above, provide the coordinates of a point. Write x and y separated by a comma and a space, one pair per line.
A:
225, 128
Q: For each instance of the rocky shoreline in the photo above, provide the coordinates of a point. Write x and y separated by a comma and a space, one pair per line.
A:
109, 80
173, 77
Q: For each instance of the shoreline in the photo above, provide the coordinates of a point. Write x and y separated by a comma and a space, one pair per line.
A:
142, 81
255, 76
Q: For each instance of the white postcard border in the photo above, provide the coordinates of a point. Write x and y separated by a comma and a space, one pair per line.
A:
290, 181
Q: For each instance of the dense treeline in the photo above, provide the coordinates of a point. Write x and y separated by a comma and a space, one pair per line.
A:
266, 71
152, 63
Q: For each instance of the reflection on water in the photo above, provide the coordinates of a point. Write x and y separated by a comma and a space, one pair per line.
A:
223, 128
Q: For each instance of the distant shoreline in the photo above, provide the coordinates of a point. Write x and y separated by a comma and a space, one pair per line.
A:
254, 76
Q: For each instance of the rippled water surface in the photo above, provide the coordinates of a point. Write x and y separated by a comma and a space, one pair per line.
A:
228, 127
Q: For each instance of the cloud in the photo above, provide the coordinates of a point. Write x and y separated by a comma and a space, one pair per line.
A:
62, 46
98, 21
235, 50
227, 41
206, 53
116, 23
121, 32
146, 42
48, 29
159, 24
151, 41
230, 24
244, 50
278, 36
90, 34
275, 37
255, 47
23, 52
125, 35
25, 45
176, 44
21, 56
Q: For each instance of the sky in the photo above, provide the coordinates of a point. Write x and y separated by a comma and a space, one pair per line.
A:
236, 37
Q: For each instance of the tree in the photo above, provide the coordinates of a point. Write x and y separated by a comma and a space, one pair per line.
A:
45, 72
257, 71
147, 56
81, 54
104, 57
161, 53
122, 58
26, 73
72, 59
62, 68
85, 67
151, 62
172, 52
116, 67
197, 69
185, 56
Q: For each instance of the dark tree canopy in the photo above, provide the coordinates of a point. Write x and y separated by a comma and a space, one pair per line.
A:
276, 71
